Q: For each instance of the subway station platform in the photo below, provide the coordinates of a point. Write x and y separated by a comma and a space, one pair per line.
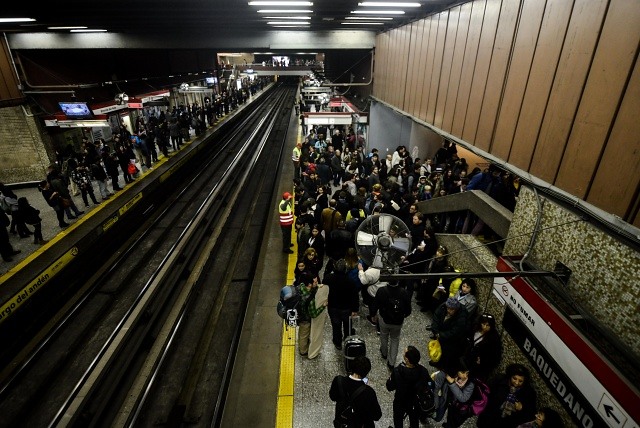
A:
271, 385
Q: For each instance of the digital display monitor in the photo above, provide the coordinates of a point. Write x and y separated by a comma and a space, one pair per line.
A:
76, 110
211, 80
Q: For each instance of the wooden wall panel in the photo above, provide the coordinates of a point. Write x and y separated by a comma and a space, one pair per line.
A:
612, 64
468, 66
584, 28
436, 74
481, 70
447, 60
552, 33
378, 61
524, 47
393, 64
456, 65
412, 71
420, 62
396, 68
405, 42
497, 70
549, 86
616, 188
431, 27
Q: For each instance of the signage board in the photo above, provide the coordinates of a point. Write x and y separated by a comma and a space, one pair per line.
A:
593, 392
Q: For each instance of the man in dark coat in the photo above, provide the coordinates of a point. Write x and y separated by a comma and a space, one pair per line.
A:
365, 404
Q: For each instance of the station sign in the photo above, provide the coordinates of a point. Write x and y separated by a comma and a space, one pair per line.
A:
590, 388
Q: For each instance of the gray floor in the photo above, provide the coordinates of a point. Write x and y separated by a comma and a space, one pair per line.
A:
312, 406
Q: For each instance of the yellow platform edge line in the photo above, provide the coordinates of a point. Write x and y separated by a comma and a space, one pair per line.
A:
286, 382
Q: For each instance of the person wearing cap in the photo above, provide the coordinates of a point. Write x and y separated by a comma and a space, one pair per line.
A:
449, 327
285, 211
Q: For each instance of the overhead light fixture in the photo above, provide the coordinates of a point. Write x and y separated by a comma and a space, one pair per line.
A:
286, 17
362, 23
288, 23
380, 12
96, 30
2, 20
66, 28
284, 11
387, 4
290, 26
372, 18
280, 3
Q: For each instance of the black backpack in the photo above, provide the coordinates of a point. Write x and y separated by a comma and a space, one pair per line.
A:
347, 416
425, 397
394, 311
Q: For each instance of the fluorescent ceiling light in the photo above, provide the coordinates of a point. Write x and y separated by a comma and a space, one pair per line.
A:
17, 19
362, 23
290, 26
373, 18
380, 12
284, 11
387, 4
288, 23
96, 30
286, 17
280, 3
66, 28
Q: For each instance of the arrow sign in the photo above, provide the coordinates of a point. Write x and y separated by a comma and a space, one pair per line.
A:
609, 411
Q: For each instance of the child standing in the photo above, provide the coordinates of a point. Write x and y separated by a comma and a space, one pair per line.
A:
31, 216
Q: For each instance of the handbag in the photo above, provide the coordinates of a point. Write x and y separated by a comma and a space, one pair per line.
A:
435, 350
132, 168
66, 203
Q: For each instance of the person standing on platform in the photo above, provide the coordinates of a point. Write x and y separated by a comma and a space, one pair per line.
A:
285, 210
6, 250
60, 187
394, 305
318, 316
353, 391
295, 157
405, 380
31, 216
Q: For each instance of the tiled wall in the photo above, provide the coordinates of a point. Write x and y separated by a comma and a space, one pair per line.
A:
605, 272
22, 153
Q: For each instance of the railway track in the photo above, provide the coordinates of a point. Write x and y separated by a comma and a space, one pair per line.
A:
152, 337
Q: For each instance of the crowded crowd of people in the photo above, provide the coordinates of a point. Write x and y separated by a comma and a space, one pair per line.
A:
337, 185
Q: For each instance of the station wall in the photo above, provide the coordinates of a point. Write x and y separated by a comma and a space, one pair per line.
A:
552, 87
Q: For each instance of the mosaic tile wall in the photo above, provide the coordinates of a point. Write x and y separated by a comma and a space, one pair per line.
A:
22, 153
604, 275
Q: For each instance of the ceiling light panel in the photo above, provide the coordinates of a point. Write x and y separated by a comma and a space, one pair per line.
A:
16, 20
286, 17
379, 12
387, 4
288, 23
280, 3
371, 18
284, 11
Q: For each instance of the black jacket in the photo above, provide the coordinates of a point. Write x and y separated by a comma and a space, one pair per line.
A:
404, 381
365, 404
385, 293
